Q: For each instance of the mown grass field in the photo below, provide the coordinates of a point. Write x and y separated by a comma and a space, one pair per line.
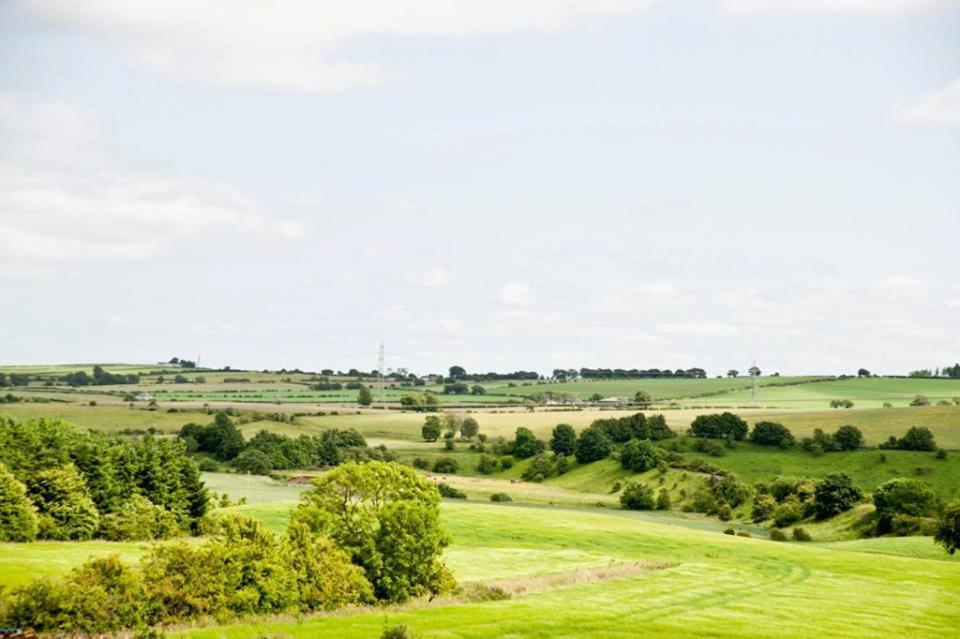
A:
710, 585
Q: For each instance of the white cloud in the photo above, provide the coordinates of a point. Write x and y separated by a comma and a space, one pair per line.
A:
901, 287
515, 294
872, 7
94, 207
937, 107
699, 329
292, 44
433, 278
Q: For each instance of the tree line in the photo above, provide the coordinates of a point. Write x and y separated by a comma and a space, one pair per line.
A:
59, 482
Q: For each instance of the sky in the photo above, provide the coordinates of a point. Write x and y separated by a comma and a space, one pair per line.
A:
496, 184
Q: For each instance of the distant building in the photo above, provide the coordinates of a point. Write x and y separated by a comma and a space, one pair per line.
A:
144, 397
610, 401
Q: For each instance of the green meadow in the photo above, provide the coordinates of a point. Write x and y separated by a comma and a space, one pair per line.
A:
577, 573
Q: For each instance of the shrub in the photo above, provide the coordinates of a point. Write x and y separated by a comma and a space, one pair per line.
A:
253, 462
787, 513
948, 527
563, 439
777, 535
799, 534
487, 464
540, 468
637, 497
835, 494
917, 438
421, 463
763, 507
724, 512
903, 496
448, 491
138, 520
719, 426
447, 465
743, 533
941, 453
500, 497
729, 531
526, 444
506, 462
920, 400
731, 490
592, 445
638, 456
771, 434
395, 632
18, 520
663, 500
710, 447
387, 518
848, 438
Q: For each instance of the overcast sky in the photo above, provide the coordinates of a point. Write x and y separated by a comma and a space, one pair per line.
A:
496, 184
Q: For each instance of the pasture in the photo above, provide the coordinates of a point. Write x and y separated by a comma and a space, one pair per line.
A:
693, 578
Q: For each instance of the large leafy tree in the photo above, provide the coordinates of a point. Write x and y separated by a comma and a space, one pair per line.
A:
592, 445
387, 518
526, 444
564, 440
638, 456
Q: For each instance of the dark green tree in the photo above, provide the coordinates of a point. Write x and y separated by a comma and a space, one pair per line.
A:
563, 439
592, 445
835, 494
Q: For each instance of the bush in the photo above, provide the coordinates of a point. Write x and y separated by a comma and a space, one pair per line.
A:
387, 518
724, 512
835, 494
539, 469
563, 439
729, 531
763, 507
446, 465
732, 491
395, 632
787, 513
448, 491
903, 496
948, 527
469, 428
848, 438
138, 520
638, 456
506, 462
777, 535
500, 497
799, 534
592, 445
18, 519
710, 447
663, 500
917, 438
421, 463
941, 453
771, 434
253, 462
920, 400
487, 464
637, 497
719, 426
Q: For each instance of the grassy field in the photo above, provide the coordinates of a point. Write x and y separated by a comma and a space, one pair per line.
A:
722, 586
864, 392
